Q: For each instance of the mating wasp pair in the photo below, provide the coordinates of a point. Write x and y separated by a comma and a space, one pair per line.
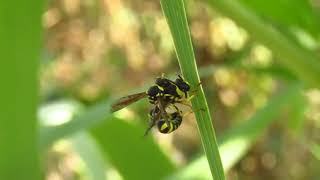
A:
165, 93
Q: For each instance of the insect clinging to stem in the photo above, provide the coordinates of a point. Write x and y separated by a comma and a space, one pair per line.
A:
165, 89
164, 93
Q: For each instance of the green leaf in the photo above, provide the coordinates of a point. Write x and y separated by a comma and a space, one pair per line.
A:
175, 14
134, 156
115, 137
20, 46
81, 121
90, 154
293, 13
300, 62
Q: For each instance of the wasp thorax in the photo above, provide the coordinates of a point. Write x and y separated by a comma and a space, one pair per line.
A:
162, 82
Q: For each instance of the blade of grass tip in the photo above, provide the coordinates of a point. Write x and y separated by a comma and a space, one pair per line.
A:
175, 14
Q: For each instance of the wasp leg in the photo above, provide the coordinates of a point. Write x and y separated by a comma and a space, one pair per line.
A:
191, 97
194, 92
184, 103
175, 107
193, 111
162, 106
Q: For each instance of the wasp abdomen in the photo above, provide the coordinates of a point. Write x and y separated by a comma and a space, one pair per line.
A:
171, 125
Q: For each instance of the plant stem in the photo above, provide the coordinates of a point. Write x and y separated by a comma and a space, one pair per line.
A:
175, 14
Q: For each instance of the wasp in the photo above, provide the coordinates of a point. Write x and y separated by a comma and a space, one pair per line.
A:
164, 89
169, 124
164, 126
164, 93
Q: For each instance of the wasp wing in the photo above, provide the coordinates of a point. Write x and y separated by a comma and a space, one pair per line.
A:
126, 101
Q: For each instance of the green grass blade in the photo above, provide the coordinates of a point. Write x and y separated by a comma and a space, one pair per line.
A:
20, 47
132, 154
87, 119
302, 63
90, 154
122, 144
175, 14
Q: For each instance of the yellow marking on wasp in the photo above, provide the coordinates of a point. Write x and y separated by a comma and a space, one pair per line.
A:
180, 93
161, 88
171, 127
163, 126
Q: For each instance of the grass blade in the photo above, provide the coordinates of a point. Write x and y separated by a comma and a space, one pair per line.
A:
302, 63
87, 119
175, 14
120, 143
20, 44
90, 154
134, 156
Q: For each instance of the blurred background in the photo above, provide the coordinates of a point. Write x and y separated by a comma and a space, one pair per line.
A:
268, 127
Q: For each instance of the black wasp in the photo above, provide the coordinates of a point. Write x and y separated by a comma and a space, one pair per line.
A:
163, 94
165, 91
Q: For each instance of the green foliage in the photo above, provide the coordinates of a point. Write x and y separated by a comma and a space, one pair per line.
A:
177, 20
236, 142
289, 29
298, 60
122, 144
84, 120
91, 155
276, 11
20, 42
135, 156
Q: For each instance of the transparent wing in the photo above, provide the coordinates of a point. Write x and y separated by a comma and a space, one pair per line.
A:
126, 101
